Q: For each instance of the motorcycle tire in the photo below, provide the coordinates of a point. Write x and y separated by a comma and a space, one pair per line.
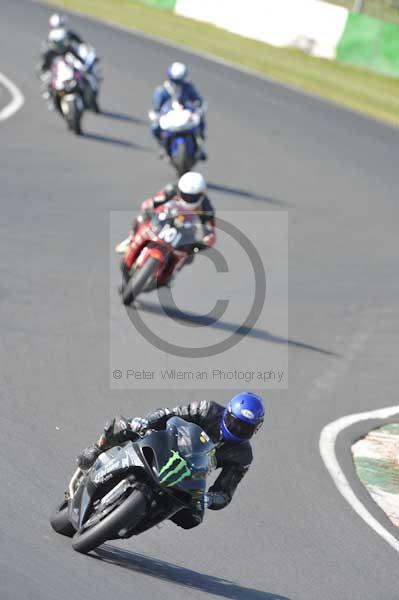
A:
73, 118
181, 161
75, 122
59, 520
129, 513
137, 282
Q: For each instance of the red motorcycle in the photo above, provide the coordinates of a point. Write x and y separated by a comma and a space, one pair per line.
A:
159, 248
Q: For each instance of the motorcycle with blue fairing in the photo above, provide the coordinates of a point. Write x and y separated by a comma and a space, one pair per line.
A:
136, 485
181, 127
93, 75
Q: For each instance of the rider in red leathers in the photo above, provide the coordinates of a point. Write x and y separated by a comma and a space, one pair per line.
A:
191, 190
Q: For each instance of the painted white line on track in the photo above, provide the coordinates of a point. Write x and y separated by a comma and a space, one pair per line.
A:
17, 98
327, 443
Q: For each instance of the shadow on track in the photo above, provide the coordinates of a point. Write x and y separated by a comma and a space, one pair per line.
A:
245, 194
196, 320
117, 116
107, 139
152, 567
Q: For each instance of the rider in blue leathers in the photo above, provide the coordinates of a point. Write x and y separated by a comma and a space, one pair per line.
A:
176, 86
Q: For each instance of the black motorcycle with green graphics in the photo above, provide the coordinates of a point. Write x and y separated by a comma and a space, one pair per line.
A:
134, 486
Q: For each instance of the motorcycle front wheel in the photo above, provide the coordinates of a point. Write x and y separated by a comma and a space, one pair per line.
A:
126, 515
72, 115
75, 120
181, 160
59, 520
137, 282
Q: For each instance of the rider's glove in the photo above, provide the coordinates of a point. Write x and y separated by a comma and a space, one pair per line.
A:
116, 426
114, 432
139, 426
170, 191
88, 457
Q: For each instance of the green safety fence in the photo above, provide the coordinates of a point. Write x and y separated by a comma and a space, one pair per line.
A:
165, 4
366, 41
370, 43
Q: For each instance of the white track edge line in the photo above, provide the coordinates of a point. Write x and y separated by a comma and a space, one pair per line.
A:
327, 443
17, 98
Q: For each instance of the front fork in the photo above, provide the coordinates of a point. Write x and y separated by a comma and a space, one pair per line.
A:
74, 483
71, 494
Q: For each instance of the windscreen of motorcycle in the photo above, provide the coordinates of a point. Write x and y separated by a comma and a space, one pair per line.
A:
177, 225
180, 457
194, 446
179, 120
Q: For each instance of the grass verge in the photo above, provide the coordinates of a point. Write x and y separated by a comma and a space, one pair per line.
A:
369, 93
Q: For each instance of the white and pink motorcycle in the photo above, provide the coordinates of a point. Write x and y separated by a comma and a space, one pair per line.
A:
65, 88
72, 85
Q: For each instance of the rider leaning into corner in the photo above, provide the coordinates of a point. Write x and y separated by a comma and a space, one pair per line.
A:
61, 21
230, 428
178, 87
191, 191
60, 40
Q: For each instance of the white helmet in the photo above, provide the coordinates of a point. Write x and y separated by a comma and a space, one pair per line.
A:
177, 72
192, 187
56, 21
57, 38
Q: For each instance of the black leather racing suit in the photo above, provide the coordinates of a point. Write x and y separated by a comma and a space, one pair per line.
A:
233, 459
50, 55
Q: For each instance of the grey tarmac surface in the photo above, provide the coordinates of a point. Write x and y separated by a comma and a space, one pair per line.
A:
288, 534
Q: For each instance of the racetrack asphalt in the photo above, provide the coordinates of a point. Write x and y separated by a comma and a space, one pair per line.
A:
288, 534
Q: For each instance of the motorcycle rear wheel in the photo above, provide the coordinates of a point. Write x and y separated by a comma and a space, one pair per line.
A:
137, 282
128, 514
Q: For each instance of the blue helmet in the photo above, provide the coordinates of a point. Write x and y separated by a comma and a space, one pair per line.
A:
242, 417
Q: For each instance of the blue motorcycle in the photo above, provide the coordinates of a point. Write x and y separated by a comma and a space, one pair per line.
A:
180, 128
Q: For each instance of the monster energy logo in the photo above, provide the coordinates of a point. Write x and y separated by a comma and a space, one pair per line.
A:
176, 466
